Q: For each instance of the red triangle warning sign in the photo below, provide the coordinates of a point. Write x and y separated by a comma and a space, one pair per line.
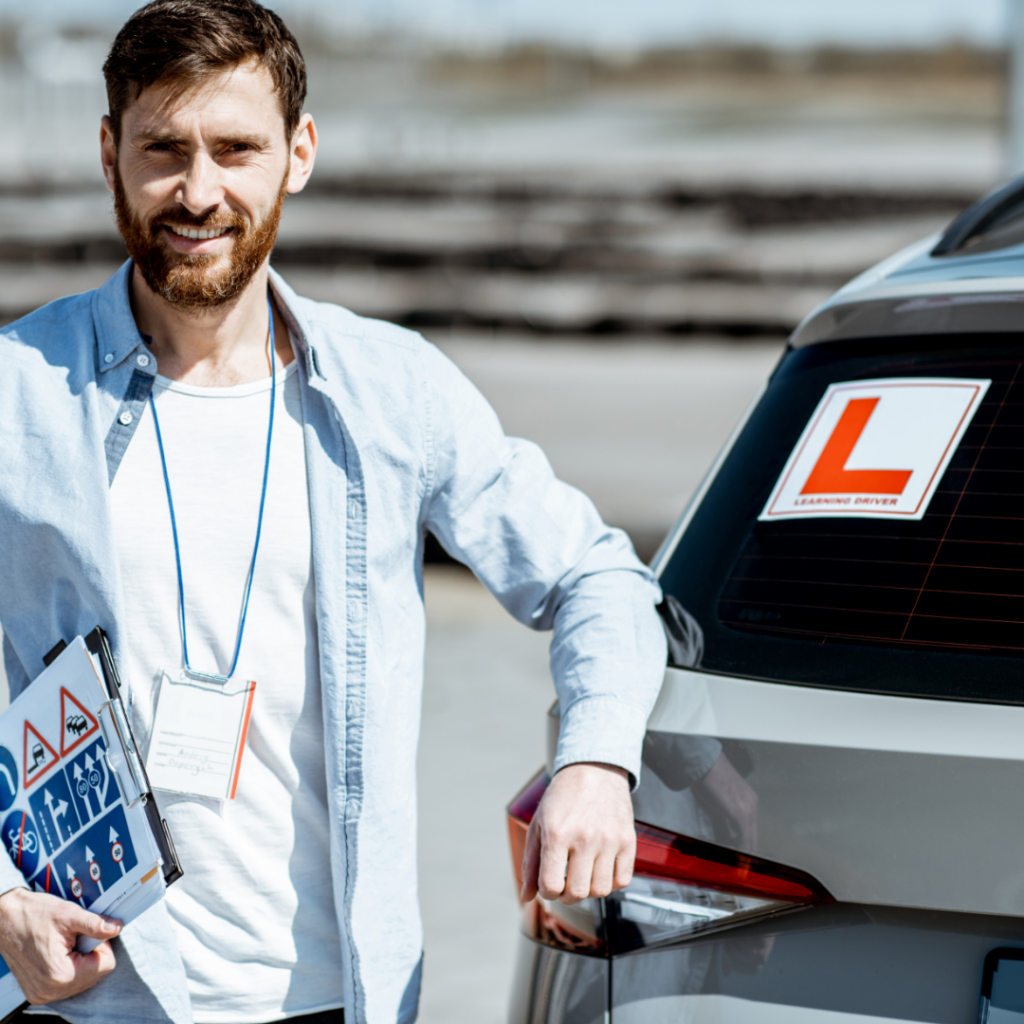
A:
40, 757
77, 724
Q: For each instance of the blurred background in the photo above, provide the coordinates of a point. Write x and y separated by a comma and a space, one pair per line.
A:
609, 215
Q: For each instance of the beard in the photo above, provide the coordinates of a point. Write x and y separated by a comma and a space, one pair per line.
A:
201, 281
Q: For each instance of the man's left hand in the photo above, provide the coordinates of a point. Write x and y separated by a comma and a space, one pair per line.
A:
582, 841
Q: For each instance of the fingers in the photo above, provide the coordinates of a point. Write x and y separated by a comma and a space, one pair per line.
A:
90, 968
94, 926
602, 879
531, 862
584, 826
624, 867
554, 855
579, 877
37, 940
596, 876
86, 969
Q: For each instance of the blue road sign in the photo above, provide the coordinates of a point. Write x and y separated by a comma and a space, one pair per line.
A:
47, 881
97, 858
93, 786
22, 841
55, 812
8, 778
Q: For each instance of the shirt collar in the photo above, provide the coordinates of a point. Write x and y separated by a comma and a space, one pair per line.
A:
118, 337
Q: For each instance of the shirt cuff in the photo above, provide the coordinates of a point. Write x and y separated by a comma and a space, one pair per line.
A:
602, 730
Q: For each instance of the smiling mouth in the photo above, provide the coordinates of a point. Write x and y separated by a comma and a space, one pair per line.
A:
198, 234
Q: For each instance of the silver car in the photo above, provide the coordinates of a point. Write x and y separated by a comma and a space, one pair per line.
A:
831, 814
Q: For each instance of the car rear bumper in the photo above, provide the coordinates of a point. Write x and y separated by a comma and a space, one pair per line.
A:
837, 964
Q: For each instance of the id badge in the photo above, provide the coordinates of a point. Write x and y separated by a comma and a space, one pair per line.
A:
199, 735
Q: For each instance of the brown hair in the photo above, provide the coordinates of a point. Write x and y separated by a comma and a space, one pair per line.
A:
186, 41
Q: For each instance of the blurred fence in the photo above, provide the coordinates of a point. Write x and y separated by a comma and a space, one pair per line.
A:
713, 190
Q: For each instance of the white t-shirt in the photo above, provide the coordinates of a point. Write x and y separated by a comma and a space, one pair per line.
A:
254, 912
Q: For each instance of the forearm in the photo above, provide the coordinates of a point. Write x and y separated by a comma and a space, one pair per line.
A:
608, 658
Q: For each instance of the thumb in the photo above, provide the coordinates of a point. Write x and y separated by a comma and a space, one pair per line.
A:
531, 862
94, 926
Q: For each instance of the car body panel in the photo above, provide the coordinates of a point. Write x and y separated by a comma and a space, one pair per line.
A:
876, 302
552, 986
842, 963
883, 799
837, 964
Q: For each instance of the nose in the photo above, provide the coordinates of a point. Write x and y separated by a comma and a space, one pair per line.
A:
200, 189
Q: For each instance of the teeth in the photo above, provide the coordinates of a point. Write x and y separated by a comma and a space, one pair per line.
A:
197, 234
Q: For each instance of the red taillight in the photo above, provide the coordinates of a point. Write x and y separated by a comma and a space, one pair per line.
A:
520, 814
676, 858
681, 886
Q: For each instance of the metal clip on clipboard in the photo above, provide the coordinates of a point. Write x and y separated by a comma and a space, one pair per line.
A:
123, 756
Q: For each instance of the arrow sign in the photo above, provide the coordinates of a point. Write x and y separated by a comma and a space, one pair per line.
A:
82, 789
90, 785
61, 809
94, 869
116, 849
74, 885
77, 722
98, 779
54, 811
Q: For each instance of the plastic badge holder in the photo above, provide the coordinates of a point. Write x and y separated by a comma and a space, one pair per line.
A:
77, 813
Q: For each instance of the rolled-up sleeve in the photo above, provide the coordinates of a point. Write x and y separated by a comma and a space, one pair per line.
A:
541, 548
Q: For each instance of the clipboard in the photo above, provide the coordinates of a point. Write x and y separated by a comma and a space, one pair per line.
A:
77, 812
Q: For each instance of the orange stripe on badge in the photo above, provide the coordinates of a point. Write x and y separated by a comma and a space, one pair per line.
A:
149, 874
241, 741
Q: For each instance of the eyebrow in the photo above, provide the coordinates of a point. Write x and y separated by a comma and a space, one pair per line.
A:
172, 139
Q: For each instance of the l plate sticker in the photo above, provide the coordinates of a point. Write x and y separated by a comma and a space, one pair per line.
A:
875, 448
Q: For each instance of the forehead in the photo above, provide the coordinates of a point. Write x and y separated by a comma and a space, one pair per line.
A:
241, 97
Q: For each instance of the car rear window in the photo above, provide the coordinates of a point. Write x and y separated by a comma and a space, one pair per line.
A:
931, 606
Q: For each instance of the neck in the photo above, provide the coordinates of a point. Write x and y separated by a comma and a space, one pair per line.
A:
216, 347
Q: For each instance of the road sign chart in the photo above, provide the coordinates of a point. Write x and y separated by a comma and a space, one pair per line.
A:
78, 723
96, 859
55, 811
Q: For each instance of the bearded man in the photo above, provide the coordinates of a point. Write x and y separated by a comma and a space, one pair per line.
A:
236, 483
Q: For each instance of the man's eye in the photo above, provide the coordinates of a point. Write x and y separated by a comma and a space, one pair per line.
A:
158, 147
240, 147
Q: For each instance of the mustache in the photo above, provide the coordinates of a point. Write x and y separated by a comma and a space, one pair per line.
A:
180, 217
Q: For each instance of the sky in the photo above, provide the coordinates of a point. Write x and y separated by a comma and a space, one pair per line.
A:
613, 24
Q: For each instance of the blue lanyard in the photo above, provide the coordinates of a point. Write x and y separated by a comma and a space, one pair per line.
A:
212, 676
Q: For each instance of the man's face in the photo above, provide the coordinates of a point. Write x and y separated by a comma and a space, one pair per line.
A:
199, 180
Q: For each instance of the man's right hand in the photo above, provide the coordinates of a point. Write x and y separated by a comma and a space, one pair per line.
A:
37, 939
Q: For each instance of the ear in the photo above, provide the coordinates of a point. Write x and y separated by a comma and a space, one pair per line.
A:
108, 151
303, 153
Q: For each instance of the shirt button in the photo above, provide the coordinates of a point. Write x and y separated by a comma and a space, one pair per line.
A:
142, 359
109, 357
125, 418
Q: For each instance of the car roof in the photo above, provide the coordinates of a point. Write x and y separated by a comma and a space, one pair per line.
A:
966, 279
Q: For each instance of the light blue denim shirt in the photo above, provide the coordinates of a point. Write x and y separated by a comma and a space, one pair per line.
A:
398, 442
